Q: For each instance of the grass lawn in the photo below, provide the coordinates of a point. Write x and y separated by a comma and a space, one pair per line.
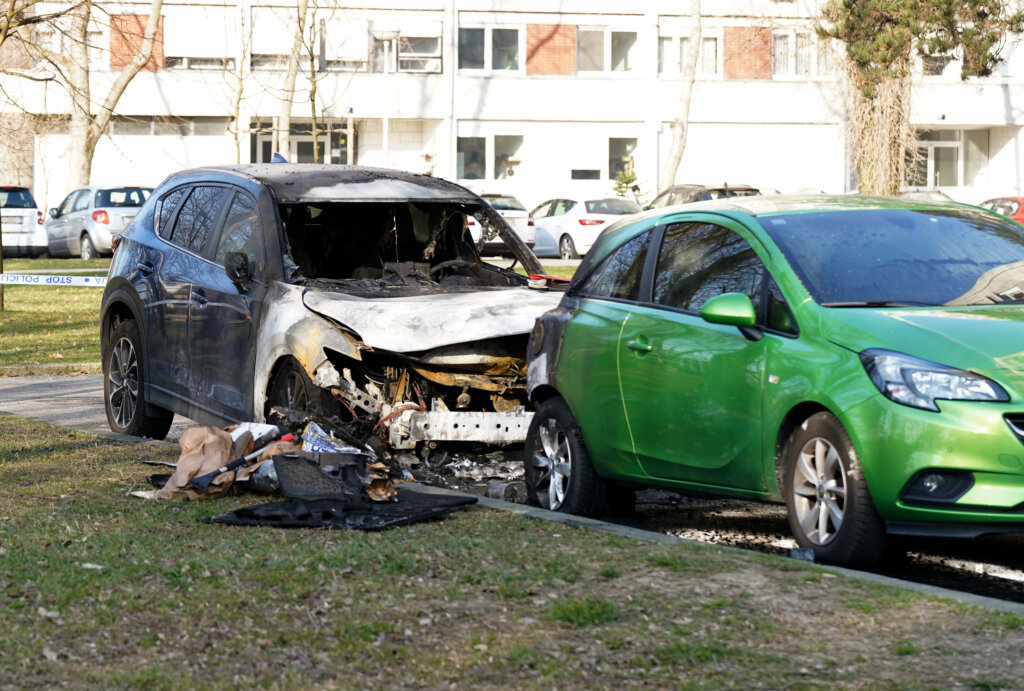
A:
100, 589
50, 325
47, 325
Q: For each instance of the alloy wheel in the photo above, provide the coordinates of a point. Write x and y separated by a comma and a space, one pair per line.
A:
124, 381
551, 457
819, 490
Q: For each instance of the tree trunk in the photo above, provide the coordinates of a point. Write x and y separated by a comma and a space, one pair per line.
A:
681, 124
881, 136
86, 128
284, 120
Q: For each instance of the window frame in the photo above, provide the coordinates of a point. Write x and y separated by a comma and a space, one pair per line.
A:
488, 68
818, 66
608, 65
677, 39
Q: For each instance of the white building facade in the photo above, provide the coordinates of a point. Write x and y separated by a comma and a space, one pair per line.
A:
525, 97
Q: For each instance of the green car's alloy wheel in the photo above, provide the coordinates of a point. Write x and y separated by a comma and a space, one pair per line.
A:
830, 508
126, 408
559, 474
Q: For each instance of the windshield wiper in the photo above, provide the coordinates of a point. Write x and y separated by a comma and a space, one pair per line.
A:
882, 303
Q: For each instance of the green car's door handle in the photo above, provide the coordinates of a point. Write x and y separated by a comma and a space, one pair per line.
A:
640, 345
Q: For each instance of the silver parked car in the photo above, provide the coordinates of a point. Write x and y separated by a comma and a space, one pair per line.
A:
22, 223
89, 218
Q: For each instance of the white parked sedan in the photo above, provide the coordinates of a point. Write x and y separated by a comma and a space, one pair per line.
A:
573, 225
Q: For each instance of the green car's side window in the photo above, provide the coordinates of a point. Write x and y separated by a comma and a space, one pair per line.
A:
698, 261
778, 316
618, 277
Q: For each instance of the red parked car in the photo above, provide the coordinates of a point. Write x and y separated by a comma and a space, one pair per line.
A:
1011, 207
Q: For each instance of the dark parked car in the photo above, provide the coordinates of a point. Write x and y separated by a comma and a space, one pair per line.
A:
89, 219
685, 194
353, 293
857, 358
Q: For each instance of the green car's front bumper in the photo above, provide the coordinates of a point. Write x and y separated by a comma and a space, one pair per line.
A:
973, 443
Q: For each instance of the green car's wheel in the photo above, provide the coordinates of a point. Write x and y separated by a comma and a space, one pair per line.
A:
559, 474
829, 505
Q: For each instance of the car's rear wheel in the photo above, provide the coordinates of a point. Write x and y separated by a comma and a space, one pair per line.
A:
559, 473
88, 250
567, 248
124, 400
829, 505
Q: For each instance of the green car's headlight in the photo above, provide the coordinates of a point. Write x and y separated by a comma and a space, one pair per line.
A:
919, 383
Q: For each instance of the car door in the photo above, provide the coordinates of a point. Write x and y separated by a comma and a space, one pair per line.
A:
587, 372
186, 216
58, 231
693, 390
223, 316
78, 219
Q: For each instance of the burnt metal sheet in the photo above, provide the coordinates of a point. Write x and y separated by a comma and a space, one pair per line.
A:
421, 322
413, 426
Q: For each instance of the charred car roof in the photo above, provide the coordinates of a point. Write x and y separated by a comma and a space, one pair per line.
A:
292, 182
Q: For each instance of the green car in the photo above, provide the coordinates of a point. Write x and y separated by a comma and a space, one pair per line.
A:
860, 359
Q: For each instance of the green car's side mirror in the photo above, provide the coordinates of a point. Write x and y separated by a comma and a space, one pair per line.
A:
732, 309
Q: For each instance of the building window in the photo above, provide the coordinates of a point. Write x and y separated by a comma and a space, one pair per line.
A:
672, 55
506, 155
585, 174
796, 54
344, 44
470, 153
169, 126
419, 54
601, 50
471, 49
620, 155
934, 65
496, 49
505, 49
187, 63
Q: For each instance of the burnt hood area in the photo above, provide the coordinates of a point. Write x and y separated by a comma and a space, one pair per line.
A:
373, 248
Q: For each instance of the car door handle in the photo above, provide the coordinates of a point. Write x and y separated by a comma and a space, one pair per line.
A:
199, 298
144, 268
640, 345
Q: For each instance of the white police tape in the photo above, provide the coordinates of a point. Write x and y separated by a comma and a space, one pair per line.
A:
48, 280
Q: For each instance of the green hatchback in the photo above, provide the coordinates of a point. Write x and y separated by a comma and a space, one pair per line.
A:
860, 359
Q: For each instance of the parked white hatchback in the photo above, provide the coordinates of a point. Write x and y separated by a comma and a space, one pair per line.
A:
22, 223
88, 219
514, 213
573, 224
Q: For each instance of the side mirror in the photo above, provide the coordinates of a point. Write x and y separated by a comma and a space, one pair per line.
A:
52, 213
236, 266
732, 309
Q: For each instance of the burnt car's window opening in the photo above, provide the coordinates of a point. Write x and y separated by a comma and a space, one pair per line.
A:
242, 233
698, 261
198, 216
168, 203
377, 241
906, 256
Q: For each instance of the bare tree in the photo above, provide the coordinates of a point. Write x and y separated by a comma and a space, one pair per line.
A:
284, 120
681, 124
90, 119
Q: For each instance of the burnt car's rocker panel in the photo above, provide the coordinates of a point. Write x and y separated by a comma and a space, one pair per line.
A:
355, 292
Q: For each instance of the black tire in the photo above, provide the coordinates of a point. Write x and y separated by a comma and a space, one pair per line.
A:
123, 387
829, 506
559, 473
292, 388
88, 250
567, 248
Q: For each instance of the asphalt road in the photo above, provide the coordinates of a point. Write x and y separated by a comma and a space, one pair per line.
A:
75, 402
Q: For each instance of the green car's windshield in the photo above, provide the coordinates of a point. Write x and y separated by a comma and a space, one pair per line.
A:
884, 257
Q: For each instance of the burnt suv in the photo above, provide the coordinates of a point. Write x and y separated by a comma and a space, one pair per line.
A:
353, 293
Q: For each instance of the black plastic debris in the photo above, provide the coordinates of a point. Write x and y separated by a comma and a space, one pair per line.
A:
410, 507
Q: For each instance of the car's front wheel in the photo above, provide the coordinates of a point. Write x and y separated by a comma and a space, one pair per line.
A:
559, 473
123, 397
88, 250
829, 505
567, 248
